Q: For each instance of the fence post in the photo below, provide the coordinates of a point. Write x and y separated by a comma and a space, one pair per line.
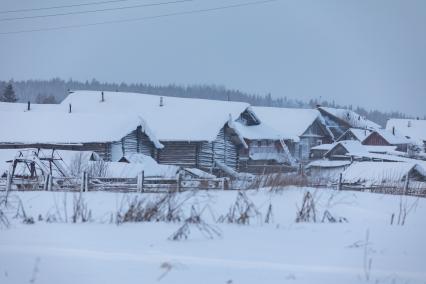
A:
86, 183
83, 182
178, 182
339, 187
406, 183
8, 182
139, 181
49, 182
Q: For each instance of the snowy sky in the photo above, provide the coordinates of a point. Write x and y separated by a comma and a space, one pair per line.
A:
361, 52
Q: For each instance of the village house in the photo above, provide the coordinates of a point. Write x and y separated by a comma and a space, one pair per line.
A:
301, 129
340, 120
413, 129
192, 133
382, 137
355, 134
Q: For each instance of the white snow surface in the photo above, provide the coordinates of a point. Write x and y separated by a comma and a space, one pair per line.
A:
412, 128
257, 132
328, 163
290, 123
352, 118
65, 128
179, 119
280, 252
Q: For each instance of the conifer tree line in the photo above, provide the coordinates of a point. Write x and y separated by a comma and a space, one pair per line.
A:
55, 90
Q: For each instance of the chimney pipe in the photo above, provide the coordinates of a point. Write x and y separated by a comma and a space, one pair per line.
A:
161, 102
102, 97
29, 106
70, 108
393, 130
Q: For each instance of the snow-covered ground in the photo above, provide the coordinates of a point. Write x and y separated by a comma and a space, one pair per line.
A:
282, 251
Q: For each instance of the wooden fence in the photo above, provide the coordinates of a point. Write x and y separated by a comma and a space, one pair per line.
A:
138, 184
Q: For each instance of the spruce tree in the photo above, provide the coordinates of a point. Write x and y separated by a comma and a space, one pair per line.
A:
8, 94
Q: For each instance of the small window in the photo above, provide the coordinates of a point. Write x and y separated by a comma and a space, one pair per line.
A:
319, 142
259, 143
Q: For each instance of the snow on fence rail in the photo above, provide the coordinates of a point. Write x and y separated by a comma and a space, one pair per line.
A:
139, 184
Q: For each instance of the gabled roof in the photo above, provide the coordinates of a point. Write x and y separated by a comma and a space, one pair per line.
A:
351, 118
353, 147
380, 172
178, 119
290, 123
64, 128
411, 128
389, 137
359, 134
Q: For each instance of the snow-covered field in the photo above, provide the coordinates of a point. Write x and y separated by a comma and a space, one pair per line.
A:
281, 251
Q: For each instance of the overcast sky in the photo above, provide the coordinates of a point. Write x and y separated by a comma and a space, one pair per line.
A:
370, 53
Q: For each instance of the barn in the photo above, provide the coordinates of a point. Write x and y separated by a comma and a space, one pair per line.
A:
300, 128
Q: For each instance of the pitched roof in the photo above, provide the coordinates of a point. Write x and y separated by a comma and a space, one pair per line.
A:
390, 138
412, 128
64, 128
379, 172
179, 119
360, 134
290, 123
351, 118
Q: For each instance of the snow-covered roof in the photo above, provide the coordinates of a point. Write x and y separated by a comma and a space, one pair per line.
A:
324, 147
257, 132
380, 149
379, 172
290, 123
328, 163
357, 147
412, 128
360, 134
350, 117
178, 119
390, 138
65, 128
353, 147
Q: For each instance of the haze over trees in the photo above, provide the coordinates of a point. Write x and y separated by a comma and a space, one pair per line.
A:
8, 94
55, 90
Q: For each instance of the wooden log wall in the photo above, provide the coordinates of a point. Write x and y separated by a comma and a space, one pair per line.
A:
178, 153
222, 149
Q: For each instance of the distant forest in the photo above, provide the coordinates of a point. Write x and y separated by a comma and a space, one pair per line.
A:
55, 90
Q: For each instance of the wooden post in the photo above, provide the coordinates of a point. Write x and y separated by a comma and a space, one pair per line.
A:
8, 182
143, 179
178, 182
223, 183
140, 181
49, 182
340, 182
86, 183
407, 178
83, 182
